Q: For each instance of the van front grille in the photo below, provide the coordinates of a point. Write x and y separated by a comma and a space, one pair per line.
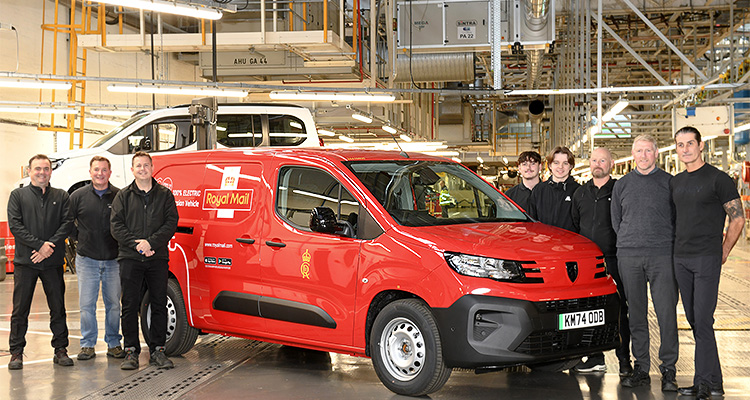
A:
572, 305
553, 341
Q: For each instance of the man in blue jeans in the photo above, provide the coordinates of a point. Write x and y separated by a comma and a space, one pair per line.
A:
96, 259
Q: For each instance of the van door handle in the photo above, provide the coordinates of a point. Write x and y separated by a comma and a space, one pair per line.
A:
275, 244
244, 240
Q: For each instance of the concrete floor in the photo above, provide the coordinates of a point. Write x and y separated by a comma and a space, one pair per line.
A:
227, 368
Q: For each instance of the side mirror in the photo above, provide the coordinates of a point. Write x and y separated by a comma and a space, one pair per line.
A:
322, 220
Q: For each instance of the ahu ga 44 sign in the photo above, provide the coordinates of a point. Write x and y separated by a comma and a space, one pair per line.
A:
219, 199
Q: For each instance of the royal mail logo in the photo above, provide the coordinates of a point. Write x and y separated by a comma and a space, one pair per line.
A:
166, 182
217, 199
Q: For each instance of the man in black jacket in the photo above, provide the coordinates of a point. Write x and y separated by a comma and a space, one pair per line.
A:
529, 164
144, 218
96, 263
40, 220
592, 219
551, 200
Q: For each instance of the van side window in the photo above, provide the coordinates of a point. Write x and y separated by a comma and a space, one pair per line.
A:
160, 135
285, 130
239, 130
301, 189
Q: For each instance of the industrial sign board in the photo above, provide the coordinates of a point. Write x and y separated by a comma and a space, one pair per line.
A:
233, 60
710, 121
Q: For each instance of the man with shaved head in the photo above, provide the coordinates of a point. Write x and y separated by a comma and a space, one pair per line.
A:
591, 218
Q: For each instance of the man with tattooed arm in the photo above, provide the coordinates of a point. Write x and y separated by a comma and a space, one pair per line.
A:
703, 197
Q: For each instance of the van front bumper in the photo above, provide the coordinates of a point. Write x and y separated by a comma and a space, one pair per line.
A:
483, 331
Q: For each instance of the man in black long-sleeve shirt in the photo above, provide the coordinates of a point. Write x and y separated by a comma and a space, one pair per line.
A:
39, 219
144, 218
591, 217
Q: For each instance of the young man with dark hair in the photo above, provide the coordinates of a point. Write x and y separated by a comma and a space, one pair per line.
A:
39, 219
551, 201
591, 217
529, 165
643, 218
144, 218
96, 259
703, 197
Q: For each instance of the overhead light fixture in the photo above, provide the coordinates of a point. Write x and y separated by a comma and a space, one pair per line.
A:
168, 7
104, 121
389, 129
332, 96
616, 109
111, 113
38, 110
346, 138
405, 137
456, 159
505, 160
326, 132
362, 117
178, 90
34, 84
480, 159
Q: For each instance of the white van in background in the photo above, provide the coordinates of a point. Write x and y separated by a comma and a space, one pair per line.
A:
170, 130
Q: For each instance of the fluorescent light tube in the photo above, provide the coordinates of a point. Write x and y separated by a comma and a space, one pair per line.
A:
616, 109
38, 110
363, 118
177, 90
34, 84
346, 138
332, 96
405, 137
326, 132
167, 7
389, 129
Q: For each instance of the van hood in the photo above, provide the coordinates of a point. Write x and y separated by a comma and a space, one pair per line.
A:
518, 241
76, 152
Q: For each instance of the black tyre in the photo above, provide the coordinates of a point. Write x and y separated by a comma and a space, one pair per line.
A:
180, 335
555, 366
406, 349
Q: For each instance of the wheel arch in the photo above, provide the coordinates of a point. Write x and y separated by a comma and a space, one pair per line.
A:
379, 302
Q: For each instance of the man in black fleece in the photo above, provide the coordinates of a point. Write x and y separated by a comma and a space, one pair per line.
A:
643, 218
144, 219
591, 217
551, 200
40, 220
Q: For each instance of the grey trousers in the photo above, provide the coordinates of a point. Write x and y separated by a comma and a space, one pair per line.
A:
698, 278
637, 273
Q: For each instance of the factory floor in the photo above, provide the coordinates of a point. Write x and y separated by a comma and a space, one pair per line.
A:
226, 368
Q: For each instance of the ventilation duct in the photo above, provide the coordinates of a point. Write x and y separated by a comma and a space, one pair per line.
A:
536, 112
447, 67
536, 21
451, 111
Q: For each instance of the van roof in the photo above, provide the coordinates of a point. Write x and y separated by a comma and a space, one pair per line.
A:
246, 105
340, 155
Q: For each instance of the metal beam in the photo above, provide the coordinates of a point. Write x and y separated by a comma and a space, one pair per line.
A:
665, 40
635, 55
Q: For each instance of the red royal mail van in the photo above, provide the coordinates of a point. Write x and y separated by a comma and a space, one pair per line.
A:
411, 260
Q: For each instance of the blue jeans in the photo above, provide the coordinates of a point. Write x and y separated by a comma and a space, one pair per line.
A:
90, 273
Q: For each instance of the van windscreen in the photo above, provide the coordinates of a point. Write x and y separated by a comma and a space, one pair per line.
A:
425, 193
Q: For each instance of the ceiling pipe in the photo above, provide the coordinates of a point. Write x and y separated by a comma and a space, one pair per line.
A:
536, 20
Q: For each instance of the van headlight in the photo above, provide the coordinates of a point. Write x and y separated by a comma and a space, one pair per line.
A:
57, 162
485, 267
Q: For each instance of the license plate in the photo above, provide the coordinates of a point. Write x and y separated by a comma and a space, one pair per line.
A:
581, 319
